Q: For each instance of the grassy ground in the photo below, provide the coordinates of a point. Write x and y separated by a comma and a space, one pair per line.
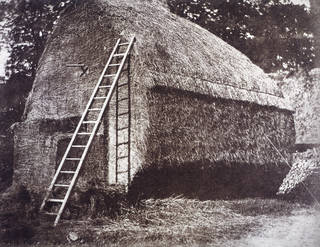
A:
173, 221
301, 228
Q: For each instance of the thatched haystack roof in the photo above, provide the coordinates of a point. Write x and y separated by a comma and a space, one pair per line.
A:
169, 51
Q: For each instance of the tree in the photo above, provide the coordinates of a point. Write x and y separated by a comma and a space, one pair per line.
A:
31, 24
315, 10
274, 35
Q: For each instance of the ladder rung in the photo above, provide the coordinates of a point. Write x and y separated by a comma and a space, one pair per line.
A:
78, 146
85, 122
123, 157
75, 65
61, 185
73, 159
123, 84
94, 109
67, 172
119, 55
114, 64
119, 172
111, 75
122, 143
84, 133
124, 113
122, 99
49, 213
127, 43
100, 97
55, 200
108, 86
123, 128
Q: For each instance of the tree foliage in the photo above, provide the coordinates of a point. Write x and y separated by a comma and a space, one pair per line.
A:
31, 23
274, 35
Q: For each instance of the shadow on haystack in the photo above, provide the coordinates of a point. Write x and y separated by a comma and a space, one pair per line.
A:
204, 180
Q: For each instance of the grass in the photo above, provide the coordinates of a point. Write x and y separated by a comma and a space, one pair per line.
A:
259, 206
173, 221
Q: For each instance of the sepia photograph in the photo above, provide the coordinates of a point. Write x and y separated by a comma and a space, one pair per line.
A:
150, 123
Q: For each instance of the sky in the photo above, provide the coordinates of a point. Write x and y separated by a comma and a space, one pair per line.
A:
4, 48
306, 2
4, 55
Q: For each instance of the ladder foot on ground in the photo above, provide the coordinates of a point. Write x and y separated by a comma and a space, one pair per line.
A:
70, 166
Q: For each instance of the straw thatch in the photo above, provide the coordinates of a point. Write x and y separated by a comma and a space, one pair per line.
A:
302, 182
194, 97
169, 51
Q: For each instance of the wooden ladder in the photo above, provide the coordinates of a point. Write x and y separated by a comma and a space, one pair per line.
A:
123, 128
70, 165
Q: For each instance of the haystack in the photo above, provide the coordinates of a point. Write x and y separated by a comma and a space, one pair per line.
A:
194, 98
302, 182
303, 92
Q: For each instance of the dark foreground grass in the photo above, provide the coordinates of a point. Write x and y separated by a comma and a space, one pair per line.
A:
172, 221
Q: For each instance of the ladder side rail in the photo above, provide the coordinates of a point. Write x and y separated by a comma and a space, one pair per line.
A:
117, 126
129, 127
79, 125
106, 102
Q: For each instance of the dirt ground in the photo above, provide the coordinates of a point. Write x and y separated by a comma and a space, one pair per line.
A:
177, 221
302, 228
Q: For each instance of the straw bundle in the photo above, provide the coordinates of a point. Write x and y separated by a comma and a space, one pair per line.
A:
176, 220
